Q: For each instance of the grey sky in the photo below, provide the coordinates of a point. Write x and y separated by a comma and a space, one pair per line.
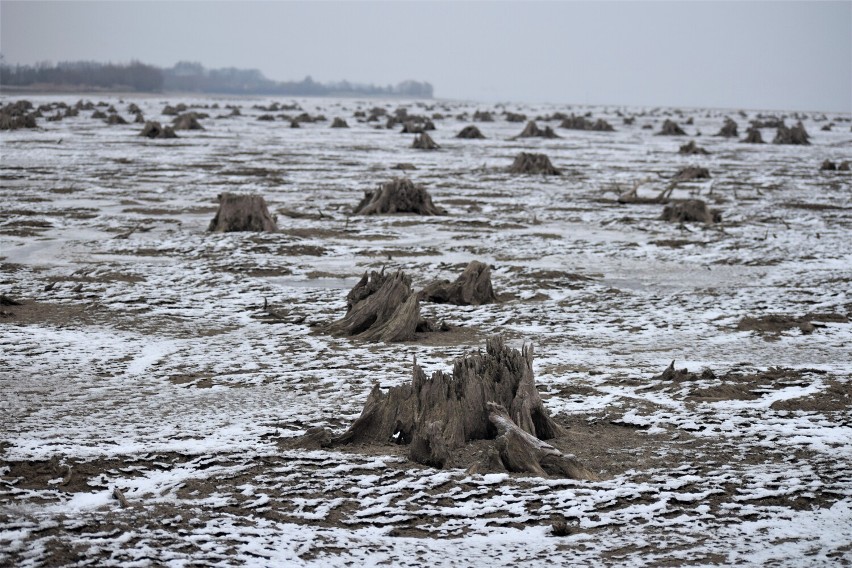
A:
768, 55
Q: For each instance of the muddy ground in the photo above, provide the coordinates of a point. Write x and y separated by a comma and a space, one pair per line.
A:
149, 400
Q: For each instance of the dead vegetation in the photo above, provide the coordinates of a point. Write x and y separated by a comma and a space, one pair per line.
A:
489, 396
154, 129
671, 128
470, 132
531, 130
242, 212
399, 195
424, 142
381, 307
690, 211
18, 115
528, 163
471, 288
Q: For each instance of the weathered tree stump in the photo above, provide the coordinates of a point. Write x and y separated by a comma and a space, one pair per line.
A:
691, 148
483, 116
242, 212
339, 123
490, 396
187, 121
527, 163
470, 132
671, 128
154, 129
113, 119
531, 130
828, 166
794, 135
690, 173
399, 195
729, 129
381, 307
471, 288
423, 141
753, 136
690, 210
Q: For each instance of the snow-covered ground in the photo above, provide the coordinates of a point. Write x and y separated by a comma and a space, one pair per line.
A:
141, 359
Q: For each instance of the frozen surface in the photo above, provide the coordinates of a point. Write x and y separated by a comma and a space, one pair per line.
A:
141, 358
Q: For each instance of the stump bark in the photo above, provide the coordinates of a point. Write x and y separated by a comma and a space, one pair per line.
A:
423, 141
490, 396
470, 132
399, 195
381, 307
242, 212
471, 288
690, 210
527, 163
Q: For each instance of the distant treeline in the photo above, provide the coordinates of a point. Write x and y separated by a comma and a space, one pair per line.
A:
188, 77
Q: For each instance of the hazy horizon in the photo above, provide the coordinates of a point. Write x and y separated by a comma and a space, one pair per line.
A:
751, 55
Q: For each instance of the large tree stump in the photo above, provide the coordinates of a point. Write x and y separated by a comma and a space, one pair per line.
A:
399, 195
794, 135
381, 307
242, 212
753, 136
729, 129
490, 396
527, 163
187, 121
471, 288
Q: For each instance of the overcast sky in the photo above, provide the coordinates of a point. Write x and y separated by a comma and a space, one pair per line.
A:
758, 55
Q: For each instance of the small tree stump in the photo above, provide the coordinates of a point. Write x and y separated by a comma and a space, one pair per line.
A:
729, 129
690, 210
691, 148
339, 123
380, 307
470, 133
471, 288
794, 135
154, 129
671, 128
527, 163
690, 173
531, 130
242, 212
187, 121
423, 141
399, 195
753, 136
490, 396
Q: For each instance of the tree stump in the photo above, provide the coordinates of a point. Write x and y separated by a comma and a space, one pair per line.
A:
471, 288
753, 136
339, 123
690, 173
423, 141
154, 129
794, 135
728, 130
691, 148
671, 128
242, 212
527, 163
381, 307
187, 121
690, 210
531, 130
490, 396
470, 132
399, 195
